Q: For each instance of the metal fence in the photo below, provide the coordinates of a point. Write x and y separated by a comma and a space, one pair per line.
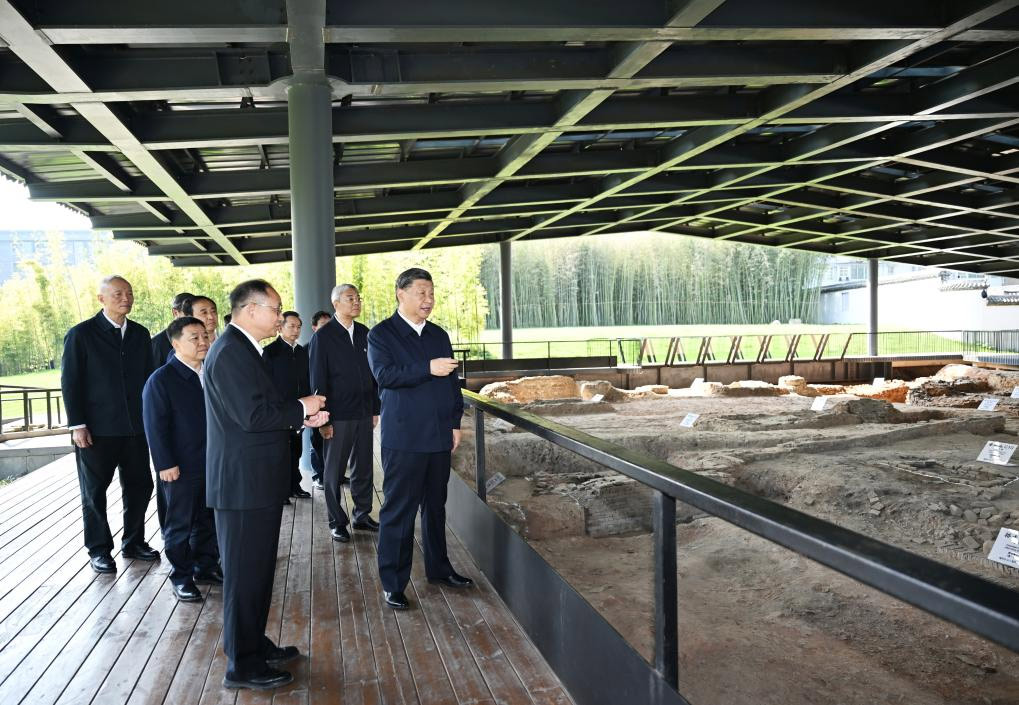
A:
759, 348
975, 604
30, 407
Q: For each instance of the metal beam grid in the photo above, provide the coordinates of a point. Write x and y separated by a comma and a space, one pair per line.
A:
890, 130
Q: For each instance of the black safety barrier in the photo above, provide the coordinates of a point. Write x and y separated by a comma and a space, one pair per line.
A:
975, 604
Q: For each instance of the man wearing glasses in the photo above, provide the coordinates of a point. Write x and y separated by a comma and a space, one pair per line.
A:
340, 371
248, 479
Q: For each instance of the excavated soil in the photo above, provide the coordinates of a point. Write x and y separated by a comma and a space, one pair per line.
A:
760, 624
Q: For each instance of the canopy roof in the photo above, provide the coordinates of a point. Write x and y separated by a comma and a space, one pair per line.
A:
869, 128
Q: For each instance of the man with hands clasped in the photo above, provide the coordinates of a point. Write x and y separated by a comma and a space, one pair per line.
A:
173, 407
339, 369
412, 360
248, 478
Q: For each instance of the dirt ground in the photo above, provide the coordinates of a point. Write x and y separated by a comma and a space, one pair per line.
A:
760, 624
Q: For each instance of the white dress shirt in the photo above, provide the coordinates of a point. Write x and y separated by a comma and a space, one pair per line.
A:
350, 331
200, 370
123, 328
418, 327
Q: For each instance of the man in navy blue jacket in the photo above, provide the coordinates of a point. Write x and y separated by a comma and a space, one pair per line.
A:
412, 361
339, 371
173, 405
106, 361
287, 361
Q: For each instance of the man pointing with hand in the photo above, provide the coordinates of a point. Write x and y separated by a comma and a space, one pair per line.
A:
248, 478
412, 361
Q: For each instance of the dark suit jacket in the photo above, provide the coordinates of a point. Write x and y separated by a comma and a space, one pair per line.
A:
161, 347
173, 404
249, 427
340, 371
288, 367
419, 411
102, 375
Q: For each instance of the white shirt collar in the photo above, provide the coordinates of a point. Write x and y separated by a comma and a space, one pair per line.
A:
123, 328
248, 336
418, 327
200, 370
350, 331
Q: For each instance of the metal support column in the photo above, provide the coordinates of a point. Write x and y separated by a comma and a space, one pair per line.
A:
872, 276
506, 298
666, 589
310, 119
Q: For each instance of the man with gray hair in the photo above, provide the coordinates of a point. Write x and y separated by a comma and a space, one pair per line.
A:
339, 371
106, 361
412, 359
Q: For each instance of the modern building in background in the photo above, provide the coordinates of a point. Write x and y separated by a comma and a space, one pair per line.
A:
918, 298
16, 245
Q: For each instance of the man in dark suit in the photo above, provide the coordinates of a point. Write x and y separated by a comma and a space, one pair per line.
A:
247, 479
412, 360
161, 340
317, 454
106, 361
173, 405
288, 366
340, 371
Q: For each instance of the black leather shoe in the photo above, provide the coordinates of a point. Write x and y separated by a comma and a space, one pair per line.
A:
103, 563
340, 534
280, 655
454, 579
300, 494
344, 480
141, 552
266, 680
187, 592
397, 600
318, 484
366, 524
213, 576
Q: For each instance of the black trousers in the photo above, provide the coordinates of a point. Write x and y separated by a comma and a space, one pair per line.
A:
412, 480
296, 445
317, 454
129, 454
189, 527
353, 440
248, 540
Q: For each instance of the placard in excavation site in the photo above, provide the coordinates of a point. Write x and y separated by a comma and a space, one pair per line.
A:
988, 405
689, 420
997, 452
1006, 548
819, 403
494, 481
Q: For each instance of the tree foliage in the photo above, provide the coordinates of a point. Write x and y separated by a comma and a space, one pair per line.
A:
46, 296
653, 279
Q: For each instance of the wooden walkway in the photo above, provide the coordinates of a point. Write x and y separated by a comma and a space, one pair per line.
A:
68, 635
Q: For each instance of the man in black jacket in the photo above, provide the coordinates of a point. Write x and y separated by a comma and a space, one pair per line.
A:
106, 361
288, 367
161, 341
340, 371
249, 427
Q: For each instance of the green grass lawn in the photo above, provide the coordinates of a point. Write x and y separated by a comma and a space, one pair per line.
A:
607, 340
13, 405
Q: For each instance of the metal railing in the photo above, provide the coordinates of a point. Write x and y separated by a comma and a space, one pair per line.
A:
734, 348
30, 405
975, 604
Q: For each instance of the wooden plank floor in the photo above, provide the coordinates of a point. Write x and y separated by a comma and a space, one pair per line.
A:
68, 635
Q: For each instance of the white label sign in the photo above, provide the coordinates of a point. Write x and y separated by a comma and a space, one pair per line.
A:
819, 403
1006, 548
1015, 393
689, 420
597, 397
494, 481
878, 381
988, 405
997, 452
698, 381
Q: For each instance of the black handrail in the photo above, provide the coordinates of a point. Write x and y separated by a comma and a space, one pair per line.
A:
975, 604
28, 397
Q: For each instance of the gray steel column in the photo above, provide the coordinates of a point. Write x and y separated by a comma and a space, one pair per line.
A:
311, 195
506, 298
872, 276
